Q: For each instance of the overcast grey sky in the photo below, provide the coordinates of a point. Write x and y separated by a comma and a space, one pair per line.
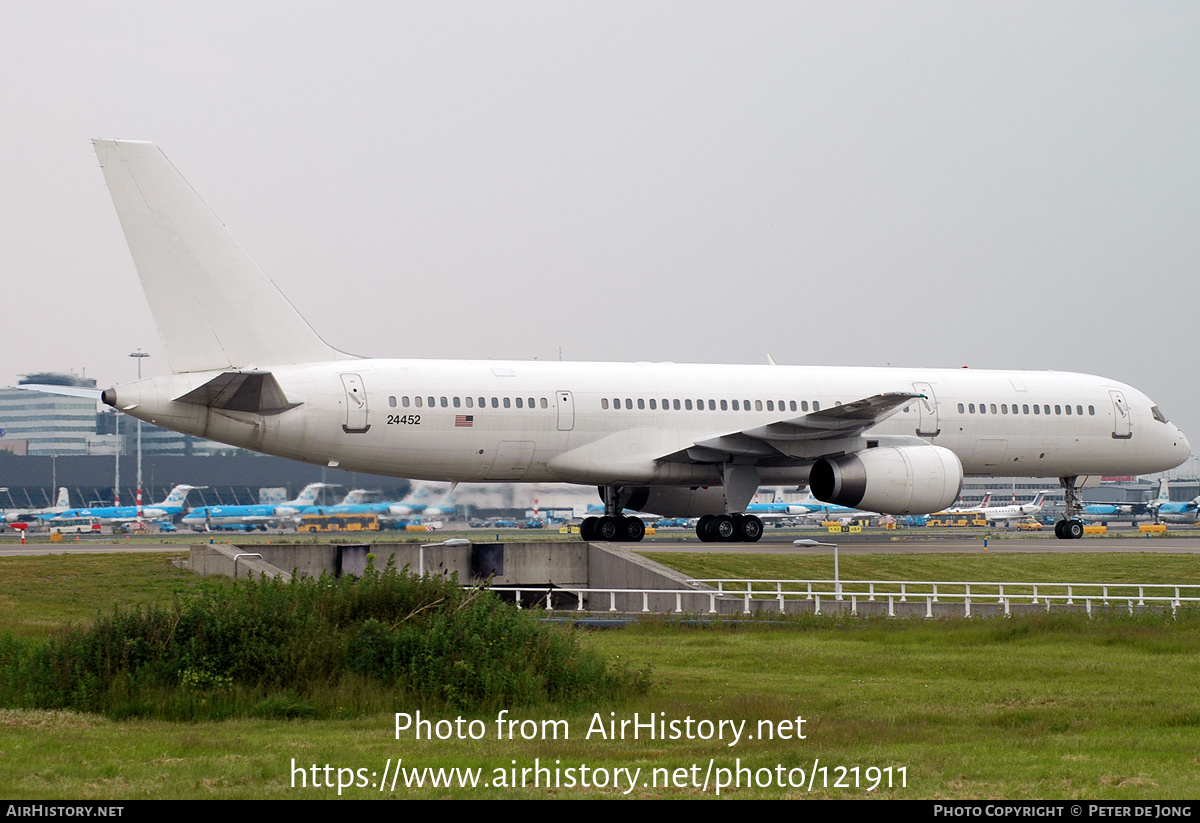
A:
1007, 185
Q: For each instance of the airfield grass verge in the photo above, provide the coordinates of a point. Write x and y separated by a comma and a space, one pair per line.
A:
1048, 706
307, 648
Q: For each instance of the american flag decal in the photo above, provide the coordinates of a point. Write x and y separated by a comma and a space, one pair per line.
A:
464, 421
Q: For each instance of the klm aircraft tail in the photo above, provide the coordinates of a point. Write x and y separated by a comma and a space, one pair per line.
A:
308, 495
177, 496
214, 307
64, 499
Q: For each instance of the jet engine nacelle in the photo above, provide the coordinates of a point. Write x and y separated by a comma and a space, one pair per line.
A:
890, 479
676, 501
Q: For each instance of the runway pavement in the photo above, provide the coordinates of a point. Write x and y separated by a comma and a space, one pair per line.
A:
874, 543
922, 544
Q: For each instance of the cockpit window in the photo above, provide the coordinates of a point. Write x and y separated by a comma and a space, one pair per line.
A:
1158, 415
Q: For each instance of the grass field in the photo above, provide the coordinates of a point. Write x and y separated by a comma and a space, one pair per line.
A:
1043, 707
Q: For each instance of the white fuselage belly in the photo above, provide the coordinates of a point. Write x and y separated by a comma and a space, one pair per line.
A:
574, 438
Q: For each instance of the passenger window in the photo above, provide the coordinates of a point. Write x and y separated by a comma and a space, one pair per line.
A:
993, 408
1037, 409
653, 404
419, 401
507, 403
803, 405
972, 408
1057, 409
1068, 410
404, 401
445, 404
675, 404
758, 405
816, 405
641, 403
735, 406
1092, 410
1025, 408
1079, 409
392, 402
470, 402
530, 402
793, 405
456, 403
712, 405
687, 404
495, 403
545, 404
724, 405
429, 401
628, 403
1004, 408
960, 408
770, 405
604, 402
519, 406
983, 408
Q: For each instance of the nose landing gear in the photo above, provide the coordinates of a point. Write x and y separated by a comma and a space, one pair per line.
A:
1071, 527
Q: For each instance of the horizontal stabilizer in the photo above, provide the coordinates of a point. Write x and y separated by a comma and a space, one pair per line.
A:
66, 391
255, 391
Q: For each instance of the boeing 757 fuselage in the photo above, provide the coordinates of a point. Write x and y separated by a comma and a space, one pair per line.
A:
672, 439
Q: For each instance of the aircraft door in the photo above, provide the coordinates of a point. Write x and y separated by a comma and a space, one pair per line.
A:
1122, 428
566, 411
928, 424
356, 405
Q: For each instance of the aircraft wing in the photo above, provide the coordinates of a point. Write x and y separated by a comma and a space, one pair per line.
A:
797, 439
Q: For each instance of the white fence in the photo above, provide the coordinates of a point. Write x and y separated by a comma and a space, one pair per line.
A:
826, 596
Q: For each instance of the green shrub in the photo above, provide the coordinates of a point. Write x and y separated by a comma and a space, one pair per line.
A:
275, 649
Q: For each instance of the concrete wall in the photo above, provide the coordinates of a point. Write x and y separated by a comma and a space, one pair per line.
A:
232, 561
551, 569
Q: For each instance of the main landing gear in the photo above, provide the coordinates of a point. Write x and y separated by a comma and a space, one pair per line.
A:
729, 528
613, 526
1071, 527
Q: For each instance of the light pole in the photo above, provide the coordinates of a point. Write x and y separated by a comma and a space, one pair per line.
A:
139, 355
837, 582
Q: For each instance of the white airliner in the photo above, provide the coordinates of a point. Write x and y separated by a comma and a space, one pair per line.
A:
62, 503
1015, 511
670, 439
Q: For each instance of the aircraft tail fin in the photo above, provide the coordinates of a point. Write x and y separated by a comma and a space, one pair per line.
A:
308, 495
214, 307
1164, 493
64, 498
177, 496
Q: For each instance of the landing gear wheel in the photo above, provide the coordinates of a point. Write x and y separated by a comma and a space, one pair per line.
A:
723, 528
633, 529
704, 529
608, 529
1073, 530
1058, 529
587, 529
751, 529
